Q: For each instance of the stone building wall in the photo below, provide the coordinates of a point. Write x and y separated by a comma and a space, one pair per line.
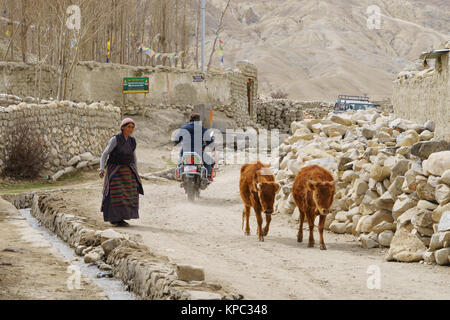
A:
280, 113
169, 87
244, 93
69, 129
425, 95
22, 80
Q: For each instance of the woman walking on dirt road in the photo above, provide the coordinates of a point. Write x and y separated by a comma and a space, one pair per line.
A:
122, 184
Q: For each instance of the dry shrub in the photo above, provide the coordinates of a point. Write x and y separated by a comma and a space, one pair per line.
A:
26, 153
280, 94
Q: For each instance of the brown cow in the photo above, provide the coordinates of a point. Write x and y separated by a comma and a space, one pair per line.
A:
313, 193
258, 188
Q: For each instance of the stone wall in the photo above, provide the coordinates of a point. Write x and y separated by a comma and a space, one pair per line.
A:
22, 80
280, 113
169, 87
148, 275
425, 95
69, 129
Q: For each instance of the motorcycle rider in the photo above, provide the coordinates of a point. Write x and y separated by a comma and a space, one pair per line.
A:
192, 136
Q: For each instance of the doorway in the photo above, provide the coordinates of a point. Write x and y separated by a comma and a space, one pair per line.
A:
250, 88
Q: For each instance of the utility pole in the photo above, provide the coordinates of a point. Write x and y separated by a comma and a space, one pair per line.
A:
203, 35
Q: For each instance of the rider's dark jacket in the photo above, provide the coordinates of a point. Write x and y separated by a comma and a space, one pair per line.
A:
192, 136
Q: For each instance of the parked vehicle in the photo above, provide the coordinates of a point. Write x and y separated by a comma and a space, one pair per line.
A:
346, 102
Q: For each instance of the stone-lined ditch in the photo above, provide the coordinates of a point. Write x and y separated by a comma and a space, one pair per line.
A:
145, 274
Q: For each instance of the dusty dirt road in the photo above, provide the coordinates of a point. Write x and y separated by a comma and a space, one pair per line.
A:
208, 233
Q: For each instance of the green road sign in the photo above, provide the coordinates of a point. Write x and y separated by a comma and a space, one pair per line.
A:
136, 85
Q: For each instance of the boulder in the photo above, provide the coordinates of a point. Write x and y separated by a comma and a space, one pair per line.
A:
445, 178
360, 187
58, 175
395, 189
400, 124
433, 181
74, 160
444, 223
334, 130
345, 163
379, 173
402, 204
424, 149
190, 273
421, 218
408, 138
69, 170
440, 240
439, 211
427, 205
110, 234
399, 169
405, 218
437, 163
82, 164
382, 226
338, 227
374, 219
409, 184
425, 191
405, 247
426, 135
94, 255
428, 257
385, 238
368, 133
441, 256
341, 120
442, 194
384, 202
429, 125
110, 245
341, 216
367, 242
87, 156
348, 176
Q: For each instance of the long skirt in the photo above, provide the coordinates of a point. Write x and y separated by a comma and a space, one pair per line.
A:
122, 200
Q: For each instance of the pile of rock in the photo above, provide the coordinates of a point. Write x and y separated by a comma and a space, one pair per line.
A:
85, 160
392, 181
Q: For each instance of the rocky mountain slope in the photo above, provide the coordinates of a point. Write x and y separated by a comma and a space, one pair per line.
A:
316, 49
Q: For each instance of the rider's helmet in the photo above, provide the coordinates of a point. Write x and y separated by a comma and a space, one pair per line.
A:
194, 117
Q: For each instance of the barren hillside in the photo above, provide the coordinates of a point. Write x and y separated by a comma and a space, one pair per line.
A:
316, 49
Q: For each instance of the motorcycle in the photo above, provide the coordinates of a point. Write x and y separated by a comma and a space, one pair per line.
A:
193, 175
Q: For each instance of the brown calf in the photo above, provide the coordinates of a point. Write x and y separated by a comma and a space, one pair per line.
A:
313, 193
258, 188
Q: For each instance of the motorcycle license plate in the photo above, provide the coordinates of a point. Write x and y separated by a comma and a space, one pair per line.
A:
190, 169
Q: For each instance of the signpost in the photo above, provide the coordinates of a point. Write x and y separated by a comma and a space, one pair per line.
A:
198, 78
136, 85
